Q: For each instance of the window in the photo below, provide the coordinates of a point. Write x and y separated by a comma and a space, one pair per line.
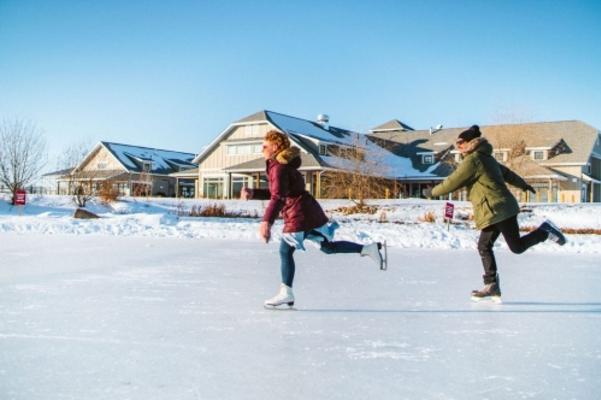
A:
428, 158
538, 155
323, 149
102, 165
244, 149
237, 184
213, 188
500, 156
146, 166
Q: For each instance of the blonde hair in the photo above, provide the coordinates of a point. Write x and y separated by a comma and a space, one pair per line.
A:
278, 138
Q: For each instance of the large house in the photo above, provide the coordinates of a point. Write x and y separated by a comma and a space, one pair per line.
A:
233, 160
562, 160
132, 170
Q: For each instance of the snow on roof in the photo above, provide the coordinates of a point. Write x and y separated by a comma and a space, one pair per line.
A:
311, 130
162, 161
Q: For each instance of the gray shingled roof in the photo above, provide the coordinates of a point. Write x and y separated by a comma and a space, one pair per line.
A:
256, 117
393, 124
579, 138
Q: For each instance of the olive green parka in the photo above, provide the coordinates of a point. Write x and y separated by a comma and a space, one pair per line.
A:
485, 180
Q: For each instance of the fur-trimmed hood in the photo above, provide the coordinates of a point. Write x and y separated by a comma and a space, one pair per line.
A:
479, 144
288, 156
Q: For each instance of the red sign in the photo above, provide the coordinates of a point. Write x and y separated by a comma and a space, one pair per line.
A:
449, 209
20, 197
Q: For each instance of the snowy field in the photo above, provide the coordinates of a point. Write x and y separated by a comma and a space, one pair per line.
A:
148, 304
113, 317
397, 221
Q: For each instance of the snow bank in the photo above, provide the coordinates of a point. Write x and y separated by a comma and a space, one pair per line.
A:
399, 222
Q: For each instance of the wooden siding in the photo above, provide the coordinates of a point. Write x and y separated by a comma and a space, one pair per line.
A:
103, 156
219, 159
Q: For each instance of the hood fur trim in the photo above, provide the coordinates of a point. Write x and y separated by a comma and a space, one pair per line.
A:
474, 144
285, 156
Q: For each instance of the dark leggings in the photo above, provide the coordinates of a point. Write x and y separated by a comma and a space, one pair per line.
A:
511, 232
287, 266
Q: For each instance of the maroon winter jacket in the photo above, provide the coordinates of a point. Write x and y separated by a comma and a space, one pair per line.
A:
301, 212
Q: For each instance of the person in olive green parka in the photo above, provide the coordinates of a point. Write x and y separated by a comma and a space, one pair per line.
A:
495, 208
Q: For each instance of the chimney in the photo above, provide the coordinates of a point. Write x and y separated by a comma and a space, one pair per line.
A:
324, 121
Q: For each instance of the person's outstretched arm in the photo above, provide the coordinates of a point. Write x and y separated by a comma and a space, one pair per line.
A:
458, 179
515, 180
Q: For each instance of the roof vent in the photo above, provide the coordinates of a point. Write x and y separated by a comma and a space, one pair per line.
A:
435, 129
324, 121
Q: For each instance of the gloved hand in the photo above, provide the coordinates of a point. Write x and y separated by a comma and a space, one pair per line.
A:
427, 193
530, 189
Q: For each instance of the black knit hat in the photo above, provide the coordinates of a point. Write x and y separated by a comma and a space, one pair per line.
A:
469, 134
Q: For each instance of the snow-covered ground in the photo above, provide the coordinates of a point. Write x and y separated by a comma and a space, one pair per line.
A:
148, 304
121, 317
397, 221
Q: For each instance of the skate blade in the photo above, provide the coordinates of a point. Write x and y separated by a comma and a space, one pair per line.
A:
487, 299
384, 264
279, 307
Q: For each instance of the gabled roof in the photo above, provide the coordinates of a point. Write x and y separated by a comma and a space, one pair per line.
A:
296, 128
132, 158
576, 138
306, 134
393, 124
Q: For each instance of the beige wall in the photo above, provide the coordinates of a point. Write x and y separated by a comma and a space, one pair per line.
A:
102, 156
219, 158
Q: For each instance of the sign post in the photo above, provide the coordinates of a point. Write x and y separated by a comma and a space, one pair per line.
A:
449, 210
20, 199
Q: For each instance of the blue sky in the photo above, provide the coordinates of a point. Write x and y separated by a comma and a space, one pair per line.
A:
175, 74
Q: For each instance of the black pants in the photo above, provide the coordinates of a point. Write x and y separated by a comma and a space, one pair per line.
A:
511, 232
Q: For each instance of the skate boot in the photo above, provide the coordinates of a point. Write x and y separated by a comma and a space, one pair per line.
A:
490, 291
284, 296
374, 252
554, 232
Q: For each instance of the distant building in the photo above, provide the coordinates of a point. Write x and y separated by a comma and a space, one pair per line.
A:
132, 170
562, 160
234, 158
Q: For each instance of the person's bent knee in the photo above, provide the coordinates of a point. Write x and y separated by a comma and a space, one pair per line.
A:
517, 249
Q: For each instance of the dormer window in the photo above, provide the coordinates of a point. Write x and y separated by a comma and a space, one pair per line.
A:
428, 159
500, 156
323, 149
146, 166
538, 155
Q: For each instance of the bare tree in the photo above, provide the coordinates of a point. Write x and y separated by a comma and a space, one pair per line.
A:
73, 154
80, 183
360, 174
22, 154
143, 185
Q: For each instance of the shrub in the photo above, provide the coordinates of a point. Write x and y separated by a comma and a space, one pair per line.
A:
428, 217
108, 193
357, 209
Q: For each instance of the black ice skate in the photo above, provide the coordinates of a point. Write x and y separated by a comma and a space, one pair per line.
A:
554, 232
490, 291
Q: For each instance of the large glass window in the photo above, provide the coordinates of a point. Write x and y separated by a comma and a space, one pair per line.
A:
244, 149
238, 182
213, 188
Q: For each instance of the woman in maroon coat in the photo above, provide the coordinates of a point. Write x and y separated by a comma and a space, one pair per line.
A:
302, 214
